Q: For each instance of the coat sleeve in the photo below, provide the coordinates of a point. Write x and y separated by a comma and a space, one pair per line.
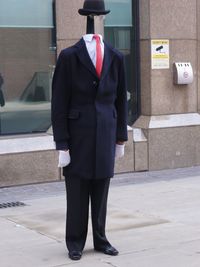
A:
121, 105
60, 102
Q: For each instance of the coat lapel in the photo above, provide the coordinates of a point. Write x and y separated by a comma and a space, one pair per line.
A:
87, 62
108, 56
84, 57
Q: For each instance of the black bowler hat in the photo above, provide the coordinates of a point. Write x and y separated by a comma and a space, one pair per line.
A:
93, 7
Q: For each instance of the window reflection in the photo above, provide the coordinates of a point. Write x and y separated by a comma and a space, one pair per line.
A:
27, 52
120, 32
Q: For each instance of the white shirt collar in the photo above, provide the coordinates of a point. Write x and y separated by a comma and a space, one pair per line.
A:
89, 38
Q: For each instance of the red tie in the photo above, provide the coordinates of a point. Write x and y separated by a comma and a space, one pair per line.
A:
99, 57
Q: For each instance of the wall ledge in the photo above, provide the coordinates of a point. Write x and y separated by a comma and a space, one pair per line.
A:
26, 144
168, 121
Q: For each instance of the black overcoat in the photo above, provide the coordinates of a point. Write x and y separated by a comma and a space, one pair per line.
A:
89, 115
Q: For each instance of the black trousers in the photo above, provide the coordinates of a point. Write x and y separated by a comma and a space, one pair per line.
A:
79, 192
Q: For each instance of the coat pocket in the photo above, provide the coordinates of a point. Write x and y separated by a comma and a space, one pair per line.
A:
74, 114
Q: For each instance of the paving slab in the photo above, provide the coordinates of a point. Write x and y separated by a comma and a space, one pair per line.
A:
153, 222
51, 222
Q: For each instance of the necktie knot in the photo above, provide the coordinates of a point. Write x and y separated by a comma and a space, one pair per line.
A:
96, 37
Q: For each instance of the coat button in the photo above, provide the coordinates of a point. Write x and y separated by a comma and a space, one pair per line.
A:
94, 83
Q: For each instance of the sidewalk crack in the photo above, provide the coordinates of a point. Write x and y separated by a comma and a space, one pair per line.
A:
110, 263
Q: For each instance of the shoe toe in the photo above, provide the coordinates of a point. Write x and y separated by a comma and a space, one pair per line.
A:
75, 255
109, 250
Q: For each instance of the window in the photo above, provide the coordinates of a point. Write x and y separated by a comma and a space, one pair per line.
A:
27, 52
121, 30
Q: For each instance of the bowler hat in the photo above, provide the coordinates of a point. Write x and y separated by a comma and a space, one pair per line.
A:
93, 7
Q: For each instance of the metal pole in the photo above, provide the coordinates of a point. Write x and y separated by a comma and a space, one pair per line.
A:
90, 24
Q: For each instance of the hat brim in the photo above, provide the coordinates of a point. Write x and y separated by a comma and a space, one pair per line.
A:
87, 12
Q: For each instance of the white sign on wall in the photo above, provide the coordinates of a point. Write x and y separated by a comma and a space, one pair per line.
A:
160, 54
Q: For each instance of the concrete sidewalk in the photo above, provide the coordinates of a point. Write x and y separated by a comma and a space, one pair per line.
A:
153, 219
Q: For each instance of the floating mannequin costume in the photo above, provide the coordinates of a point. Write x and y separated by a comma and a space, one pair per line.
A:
89, 116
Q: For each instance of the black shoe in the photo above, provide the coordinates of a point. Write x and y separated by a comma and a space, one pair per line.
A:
109, 250
75, 255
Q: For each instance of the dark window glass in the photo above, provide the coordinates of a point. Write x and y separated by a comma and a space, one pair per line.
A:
27, 52
120, 30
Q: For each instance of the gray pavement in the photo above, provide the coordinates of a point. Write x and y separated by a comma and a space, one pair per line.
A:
153, 219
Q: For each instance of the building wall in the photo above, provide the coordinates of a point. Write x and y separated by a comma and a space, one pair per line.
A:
176, 21
28, 159
167, 133
70, 25
169, 113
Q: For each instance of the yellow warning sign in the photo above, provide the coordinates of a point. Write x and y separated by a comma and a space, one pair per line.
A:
160, 54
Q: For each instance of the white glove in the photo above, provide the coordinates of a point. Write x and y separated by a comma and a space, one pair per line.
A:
119, 151
64, 158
